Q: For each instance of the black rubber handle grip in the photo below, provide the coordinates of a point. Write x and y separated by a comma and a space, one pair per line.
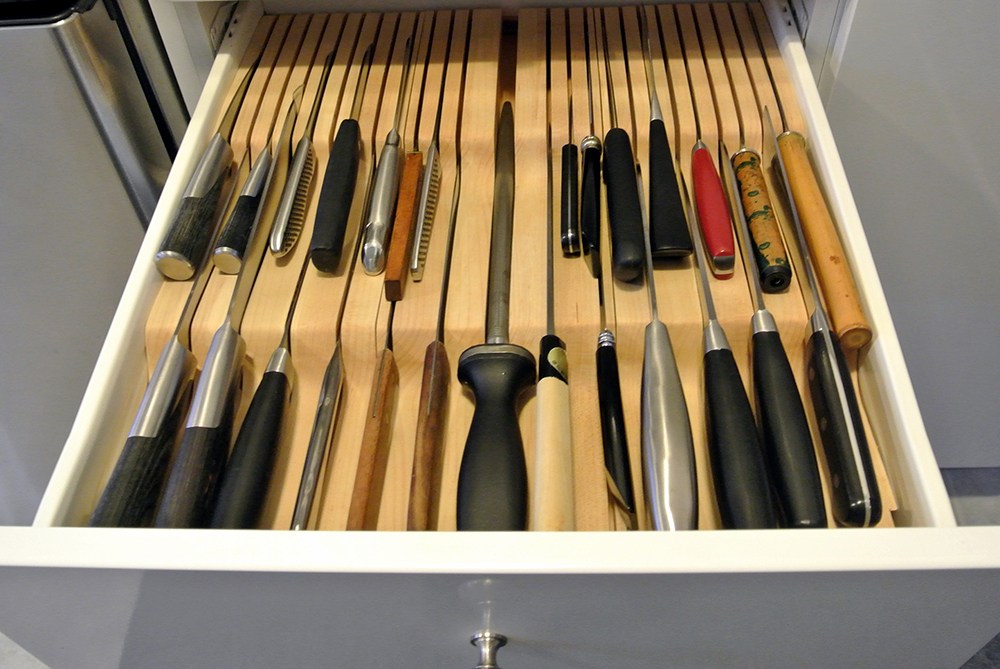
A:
235, 236
609, 398
590, 208
248, 472
570, 224
669, 236
628, 250
851, 506
193, 484
742, 487
493, 479
187, 243
130, 497
787, 440
335, 197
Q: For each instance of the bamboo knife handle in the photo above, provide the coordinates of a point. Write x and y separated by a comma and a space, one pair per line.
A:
428, 460
552, 492
374, 456
401, 242
827, 252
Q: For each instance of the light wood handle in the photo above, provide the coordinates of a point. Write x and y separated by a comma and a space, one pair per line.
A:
428, 453
829, 260
552, 487
402, 228
374, 458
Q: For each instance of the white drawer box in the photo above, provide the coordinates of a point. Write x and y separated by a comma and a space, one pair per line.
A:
919, 594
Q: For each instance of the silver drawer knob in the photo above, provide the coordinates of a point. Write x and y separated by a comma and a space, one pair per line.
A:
488, 644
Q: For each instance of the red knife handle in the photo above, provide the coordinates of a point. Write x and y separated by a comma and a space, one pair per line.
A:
713, 212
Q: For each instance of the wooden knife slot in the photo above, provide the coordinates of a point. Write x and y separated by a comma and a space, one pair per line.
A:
294, 51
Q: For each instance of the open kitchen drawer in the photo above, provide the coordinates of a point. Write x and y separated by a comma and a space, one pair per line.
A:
916, 591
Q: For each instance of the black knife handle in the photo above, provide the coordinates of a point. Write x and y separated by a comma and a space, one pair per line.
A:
609, 398
130, 497
248, 472
232, 241
628, 250
851, 505
787, 440
335, 197
570, 223
669, 236
590, 207
493, 479
742, 487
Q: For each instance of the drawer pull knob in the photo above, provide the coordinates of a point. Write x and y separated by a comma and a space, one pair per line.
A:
488, 644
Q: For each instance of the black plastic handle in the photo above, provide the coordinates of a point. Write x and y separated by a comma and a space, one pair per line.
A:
130, 497
851, 506
787, 440
628, 250
192, 488
570, 228
493, 479
609, 398
590, 208
187, 243
669, 236
233, 240
335, 197
247, 475
742, 487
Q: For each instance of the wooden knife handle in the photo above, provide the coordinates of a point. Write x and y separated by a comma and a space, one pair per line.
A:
552, 501
768, 248
428, 453
374, 458
401, 242
827, 252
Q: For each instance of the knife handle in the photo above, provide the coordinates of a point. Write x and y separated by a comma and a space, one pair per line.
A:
742, 487
374, 458
333, 210
855, 495
192, 488
319, 439
232, 241
131, 494
590, 204
552, 502
667, 443
248, 472
829, 259
768, 248
189, 237
493, 478
669, 236
402, 228
628, 250
609, 399
428, 453
570, 221
786, 436
713, 213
